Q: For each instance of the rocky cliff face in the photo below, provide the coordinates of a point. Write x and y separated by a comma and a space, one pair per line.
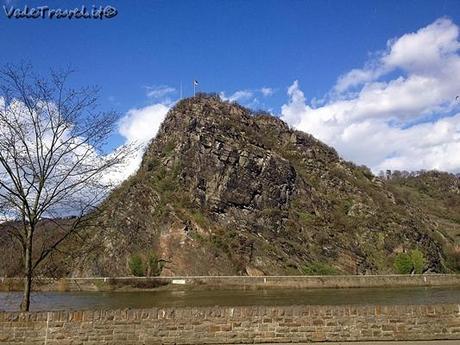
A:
224, 191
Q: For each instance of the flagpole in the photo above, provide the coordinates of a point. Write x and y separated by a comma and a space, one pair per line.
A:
181, 89
194, 87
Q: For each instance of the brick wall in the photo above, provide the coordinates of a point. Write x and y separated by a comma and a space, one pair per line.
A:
233, 325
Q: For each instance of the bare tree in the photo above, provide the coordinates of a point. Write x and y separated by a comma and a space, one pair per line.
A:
51, 159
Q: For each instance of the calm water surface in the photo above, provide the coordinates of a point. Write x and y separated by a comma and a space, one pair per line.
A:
9, 301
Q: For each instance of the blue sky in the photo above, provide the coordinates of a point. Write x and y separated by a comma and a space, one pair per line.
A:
230, 46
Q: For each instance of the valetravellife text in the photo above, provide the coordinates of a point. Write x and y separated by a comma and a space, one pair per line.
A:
45, 12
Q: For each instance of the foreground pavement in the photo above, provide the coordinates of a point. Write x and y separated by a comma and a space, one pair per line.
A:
418, 342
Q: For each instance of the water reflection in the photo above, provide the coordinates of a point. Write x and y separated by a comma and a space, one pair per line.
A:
167, 298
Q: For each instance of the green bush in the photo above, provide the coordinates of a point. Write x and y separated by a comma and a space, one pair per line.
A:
319, 269
412, 262
154, 265
136, 266
418, 260
403, 263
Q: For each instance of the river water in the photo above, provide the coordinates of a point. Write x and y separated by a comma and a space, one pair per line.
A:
9, 301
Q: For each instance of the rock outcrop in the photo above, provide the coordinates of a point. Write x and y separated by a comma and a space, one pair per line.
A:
224, 191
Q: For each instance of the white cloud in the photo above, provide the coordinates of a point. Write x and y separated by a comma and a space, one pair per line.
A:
138, 127
159, 91
424, 52
427, 49
356, 77
247, 95
238, 96
141, 124
267, 91
251, 98
407, 122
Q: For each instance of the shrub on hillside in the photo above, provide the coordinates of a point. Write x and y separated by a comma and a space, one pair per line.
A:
412, 262
154, 266
418, 261
319, 269
136, 266
403, 263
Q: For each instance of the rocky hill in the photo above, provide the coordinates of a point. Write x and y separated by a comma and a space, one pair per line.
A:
224, 191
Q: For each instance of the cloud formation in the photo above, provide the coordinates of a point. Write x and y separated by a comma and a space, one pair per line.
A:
159, 91
238, 96
138, 127
397, 112
267, 91
251, 98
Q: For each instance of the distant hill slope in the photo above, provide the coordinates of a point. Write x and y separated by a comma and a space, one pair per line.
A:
436, 195
223, 191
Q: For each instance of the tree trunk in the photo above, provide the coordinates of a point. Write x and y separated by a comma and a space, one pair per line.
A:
25, 304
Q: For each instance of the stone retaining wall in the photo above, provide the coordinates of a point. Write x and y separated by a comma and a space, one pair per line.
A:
135, 283
232, 325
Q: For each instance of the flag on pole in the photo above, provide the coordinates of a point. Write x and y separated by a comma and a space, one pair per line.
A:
195, 84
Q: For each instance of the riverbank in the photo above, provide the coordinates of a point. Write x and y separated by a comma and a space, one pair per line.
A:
233, 282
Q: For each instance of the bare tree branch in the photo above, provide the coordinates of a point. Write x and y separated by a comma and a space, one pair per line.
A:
51, 158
